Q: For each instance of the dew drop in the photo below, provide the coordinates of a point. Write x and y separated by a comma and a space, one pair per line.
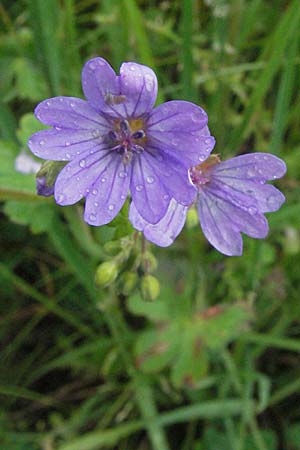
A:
68, 168
175, 141
42, 142
166, 197
202, 158
82, 163
96, 133
139, 187
95, 191
111, 207
195, 117
150, 180
77, 178
103, 180
96, 204
60, 198
123, 197
92, 217
67, 144
72, 105
251, 172
266, 158
252, 210
92, 66
48, 103
122, 174
132, 68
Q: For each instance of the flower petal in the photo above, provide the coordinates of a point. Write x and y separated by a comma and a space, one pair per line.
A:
166, 230
139, 85
180, 127
217, 228
148, 193
266, 196
71, 112
108, 193
76, 178
258, 167
100, 85
131, 95
64, 145
173, 176
225, 213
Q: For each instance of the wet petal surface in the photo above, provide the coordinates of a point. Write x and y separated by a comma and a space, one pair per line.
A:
166, 230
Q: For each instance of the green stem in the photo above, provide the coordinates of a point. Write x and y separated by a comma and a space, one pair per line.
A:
144, 395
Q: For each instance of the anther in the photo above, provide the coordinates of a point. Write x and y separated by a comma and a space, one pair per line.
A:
112, 136
124, 126
140, 134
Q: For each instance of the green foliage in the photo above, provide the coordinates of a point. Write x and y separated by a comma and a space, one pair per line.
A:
213, 362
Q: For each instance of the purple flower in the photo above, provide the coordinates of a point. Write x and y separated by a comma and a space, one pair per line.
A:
116, 142
232, 198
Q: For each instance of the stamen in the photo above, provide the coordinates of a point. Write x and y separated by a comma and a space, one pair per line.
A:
140, 134
124, 126
112, 136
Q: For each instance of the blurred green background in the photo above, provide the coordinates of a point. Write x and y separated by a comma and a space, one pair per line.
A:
213, 363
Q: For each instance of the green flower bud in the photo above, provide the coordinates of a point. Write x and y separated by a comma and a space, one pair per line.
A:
112, 247
149, 262
106, 273
129, 281
46, 177
150, 287
192, 218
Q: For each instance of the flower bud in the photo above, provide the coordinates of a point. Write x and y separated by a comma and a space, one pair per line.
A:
106, 273
192, 218
150, 287
149, 262
112, 247
46, 177
129, 281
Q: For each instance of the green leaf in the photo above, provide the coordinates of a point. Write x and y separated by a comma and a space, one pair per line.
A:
38, 216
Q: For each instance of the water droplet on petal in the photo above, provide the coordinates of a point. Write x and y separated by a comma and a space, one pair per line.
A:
92, 66
111, 207
132, 68
123, 197
252, 210
202, 158
48, 103
72, 105
82, 163
122, 174
166, 197
42, 142
195, 117
251, 172
92, 217
96, 204
67, 144
139, 187
60, 198
95, 191
77, 178
266, 158
150, 180
103, 180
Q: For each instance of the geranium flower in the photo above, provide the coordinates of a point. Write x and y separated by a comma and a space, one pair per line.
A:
116, 142
232, 197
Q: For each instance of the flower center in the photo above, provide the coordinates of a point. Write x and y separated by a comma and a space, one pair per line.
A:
201, 174
127, 137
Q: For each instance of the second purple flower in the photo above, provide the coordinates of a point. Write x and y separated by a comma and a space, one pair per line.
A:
117, 142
